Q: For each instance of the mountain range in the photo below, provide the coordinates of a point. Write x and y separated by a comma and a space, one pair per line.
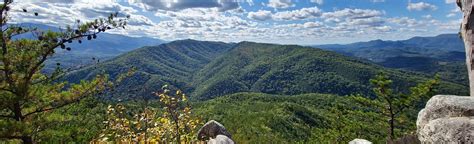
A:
206, 70
106, 46
443, 54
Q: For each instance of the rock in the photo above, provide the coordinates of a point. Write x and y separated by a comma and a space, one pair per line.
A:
215, 133
447, 119
360, 141
407, 139
221, 139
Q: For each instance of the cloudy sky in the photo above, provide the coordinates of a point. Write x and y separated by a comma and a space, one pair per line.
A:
273, 21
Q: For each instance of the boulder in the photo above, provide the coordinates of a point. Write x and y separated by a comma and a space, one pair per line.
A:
215, 133
221, 139
360, 141
407, 139
447, 119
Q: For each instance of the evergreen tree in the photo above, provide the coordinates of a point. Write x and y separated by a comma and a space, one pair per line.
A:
26, 92
390, 104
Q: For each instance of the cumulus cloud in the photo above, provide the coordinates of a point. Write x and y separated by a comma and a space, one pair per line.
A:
320, 2
175, 5
312, 24
280, 4
421, 6
348, 14
221, 20
405, 21
299, 14
60, 13
260, 15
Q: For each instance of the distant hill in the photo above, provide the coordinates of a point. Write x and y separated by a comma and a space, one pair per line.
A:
379, 50
104, 47
211, 69
442, 54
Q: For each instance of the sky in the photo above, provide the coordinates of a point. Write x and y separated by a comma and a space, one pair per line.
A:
303, 22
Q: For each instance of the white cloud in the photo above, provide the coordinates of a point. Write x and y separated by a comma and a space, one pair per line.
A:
63, 14
217, 22
300, 14
280, 4
427, 16
454, 12
319, 2
312, 24
421, 6
405, 21
260, 15
450, 1
351, 14
175, 5
450, 15
250, 2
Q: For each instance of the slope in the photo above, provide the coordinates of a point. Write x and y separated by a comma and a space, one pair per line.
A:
173, 63
206, 70
292, 69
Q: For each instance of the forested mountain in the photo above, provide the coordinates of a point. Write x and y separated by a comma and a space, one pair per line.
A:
446, 47
210, 69
443, 54
104, 47
172, 63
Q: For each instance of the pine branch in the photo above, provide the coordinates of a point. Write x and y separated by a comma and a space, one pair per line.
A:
89, 91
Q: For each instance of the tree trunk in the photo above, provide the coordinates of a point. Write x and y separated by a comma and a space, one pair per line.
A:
467, 26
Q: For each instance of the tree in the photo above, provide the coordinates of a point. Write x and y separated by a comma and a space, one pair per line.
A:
173, 123
466, 32
26, 92
390, 104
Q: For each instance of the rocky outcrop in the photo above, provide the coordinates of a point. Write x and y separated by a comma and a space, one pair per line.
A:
447, 119
407, 139
360, 141
220, 139
215, 133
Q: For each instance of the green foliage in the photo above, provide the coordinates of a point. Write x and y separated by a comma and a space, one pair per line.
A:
176, 124
173, 63
78, 122
307, 118
25, 92
206, 70
392, 105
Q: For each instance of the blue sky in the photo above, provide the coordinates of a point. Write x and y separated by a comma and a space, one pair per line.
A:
302, 22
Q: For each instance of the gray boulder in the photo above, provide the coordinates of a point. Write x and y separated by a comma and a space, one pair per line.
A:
360, 141
215, 133
220, 139
447, 119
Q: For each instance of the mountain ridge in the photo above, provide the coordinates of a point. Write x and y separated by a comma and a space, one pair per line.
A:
207, 69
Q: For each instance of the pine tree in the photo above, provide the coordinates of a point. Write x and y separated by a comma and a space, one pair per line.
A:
26, 92
391, 104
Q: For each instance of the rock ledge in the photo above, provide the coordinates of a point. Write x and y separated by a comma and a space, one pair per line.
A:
447, 119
